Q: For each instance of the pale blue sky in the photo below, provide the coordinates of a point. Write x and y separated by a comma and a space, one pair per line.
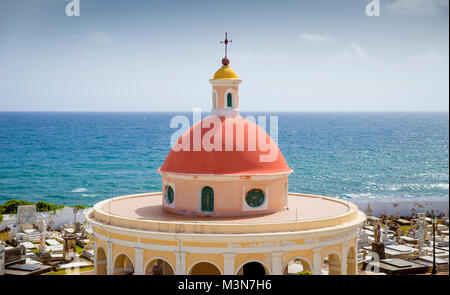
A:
158, 55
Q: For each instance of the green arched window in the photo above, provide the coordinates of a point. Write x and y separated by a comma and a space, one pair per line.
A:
207, 199
254, 197
170, 195
229, 100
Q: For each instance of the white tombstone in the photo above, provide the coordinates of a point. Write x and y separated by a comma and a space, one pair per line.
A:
42, 225
382, 234
12, 232
368, 210
420, 233
41, 243
51, 225
385, 239
363, 239
26, 217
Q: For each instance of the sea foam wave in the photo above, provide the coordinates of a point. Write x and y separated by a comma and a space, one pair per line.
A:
89, 195
79, 190
417, 186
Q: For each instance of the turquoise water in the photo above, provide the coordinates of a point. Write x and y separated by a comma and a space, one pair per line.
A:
82, 158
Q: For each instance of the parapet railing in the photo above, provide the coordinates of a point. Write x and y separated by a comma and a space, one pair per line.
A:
187, 226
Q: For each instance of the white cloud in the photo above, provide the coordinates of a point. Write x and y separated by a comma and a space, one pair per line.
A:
101, 38
417, 7
316, 39
243, 57
355, 51
259, 56
429, 56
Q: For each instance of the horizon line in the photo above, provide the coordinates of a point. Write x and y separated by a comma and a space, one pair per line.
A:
188, 111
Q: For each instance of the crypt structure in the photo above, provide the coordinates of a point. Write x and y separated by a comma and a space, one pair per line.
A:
225, 207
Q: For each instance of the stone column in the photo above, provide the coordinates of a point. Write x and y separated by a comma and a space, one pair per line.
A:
138, 261
277, 263
355, 246
344, 259
109, 262
95, 257
2, 259
180, 268
228, 263
317, 261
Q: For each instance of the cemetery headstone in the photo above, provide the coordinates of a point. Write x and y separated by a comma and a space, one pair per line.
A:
364, 239
376, 231
77, 227
26, 217
51, 225
42, 225
69, 250
368, 210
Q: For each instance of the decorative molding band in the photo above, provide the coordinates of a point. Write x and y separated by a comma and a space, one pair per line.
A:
231, 250
227, 112
225, 82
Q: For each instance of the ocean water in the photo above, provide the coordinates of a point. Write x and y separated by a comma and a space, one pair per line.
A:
82, 158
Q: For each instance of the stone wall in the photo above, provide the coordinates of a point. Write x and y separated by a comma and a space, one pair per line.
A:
60, 217
390, 207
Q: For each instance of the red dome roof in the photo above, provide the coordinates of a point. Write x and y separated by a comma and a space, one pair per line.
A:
246, 162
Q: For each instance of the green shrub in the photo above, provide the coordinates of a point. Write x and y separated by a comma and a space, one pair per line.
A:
80, 206
42, 206
1, 218
305, 272
10, 207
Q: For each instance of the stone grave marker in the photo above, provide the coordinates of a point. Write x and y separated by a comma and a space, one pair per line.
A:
26, 217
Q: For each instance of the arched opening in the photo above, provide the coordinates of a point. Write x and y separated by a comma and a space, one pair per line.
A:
159, 267
252, 268
123, 265
101, 262
229, 100
332, 265
204, 268
296, 265
352, 267
207, 199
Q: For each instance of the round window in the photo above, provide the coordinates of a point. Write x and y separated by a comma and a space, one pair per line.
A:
254, 197
170, 194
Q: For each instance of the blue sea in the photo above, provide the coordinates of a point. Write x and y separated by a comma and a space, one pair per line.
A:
82, 158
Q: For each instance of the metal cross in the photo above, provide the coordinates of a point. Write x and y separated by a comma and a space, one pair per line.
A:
226, 43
